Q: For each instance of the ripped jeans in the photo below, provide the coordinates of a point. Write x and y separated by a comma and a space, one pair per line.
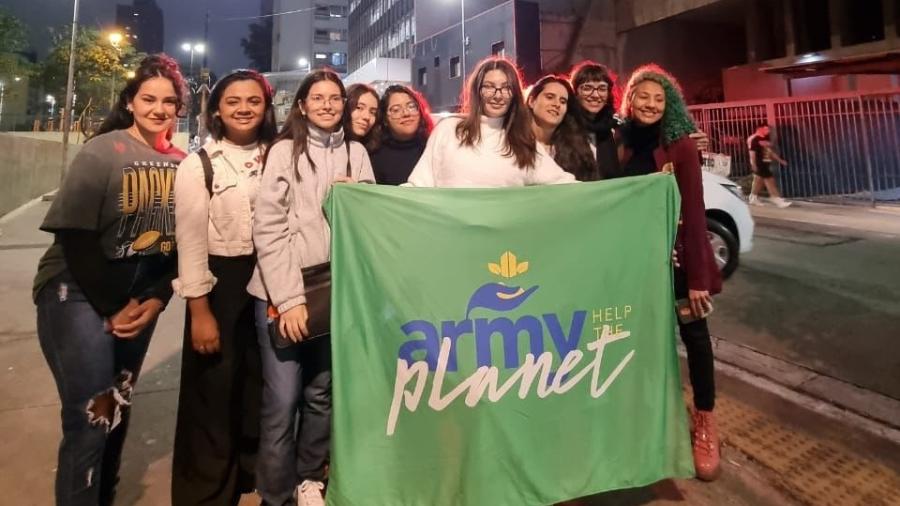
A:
95, 374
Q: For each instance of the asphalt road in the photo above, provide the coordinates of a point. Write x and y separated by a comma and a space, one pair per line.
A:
824, 297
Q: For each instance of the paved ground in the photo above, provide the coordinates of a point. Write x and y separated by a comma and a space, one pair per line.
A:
820, 289
757, 425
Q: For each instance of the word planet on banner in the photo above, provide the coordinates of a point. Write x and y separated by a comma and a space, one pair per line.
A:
504, 346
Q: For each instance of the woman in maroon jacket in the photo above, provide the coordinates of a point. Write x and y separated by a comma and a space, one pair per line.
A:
656, 138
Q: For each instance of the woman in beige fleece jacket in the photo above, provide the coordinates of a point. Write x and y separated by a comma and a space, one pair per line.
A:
290, 232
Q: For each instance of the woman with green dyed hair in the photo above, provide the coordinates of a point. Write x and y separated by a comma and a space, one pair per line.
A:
656, 138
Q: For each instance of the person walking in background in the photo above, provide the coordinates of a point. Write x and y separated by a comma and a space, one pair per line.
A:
656, 138
217, 428
100, 287
290, 232
406, 125
492, 144
762, 156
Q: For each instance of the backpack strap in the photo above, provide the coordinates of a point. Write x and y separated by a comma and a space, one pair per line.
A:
207, 170
349, 169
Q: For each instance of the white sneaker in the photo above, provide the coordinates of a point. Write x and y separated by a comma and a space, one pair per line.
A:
309, 493
780, 202
754, 200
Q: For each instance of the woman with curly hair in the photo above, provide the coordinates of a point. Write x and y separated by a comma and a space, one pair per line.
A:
656, 138
101, 286
552, 104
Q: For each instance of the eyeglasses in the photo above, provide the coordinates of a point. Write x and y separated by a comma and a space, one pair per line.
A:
319, 100
491, 91
397, 111
587, 90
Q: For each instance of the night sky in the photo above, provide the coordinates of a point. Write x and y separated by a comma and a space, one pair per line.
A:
183, 19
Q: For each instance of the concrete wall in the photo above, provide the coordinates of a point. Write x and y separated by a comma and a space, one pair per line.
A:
635, 13
30, 164
29, 167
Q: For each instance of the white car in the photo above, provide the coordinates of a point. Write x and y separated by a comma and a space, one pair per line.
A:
729, 224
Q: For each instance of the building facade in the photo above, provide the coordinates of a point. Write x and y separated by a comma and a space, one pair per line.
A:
142, 23
443, 59
749, 49
380, 29
310, 34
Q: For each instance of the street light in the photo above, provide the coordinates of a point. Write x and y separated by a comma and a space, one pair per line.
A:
114, 39
52, 101
2, 93
70, 94
462, 27
193, 47
304, 64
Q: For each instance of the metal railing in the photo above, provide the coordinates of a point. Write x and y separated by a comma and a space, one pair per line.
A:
841, 147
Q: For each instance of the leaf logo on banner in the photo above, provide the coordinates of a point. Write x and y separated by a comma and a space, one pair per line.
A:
509, 266
498, 296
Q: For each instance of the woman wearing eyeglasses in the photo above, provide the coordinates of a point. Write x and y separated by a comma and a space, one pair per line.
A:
290, 232
595, 89
406, 125
492, 145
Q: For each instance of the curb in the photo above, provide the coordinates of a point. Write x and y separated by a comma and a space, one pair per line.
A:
835, 399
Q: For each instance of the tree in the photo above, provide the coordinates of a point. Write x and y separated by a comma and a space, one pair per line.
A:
12, 42
258, 45
100, 67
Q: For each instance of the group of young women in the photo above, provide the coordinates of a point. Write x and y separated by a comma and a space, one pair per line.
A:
244, 215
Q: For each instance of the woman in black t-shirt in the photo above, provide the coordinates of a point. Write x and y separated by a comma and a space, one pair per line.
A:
102, 284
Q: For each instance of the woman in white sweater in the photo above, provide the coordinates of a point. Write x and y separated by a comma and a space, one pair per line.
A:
492, 144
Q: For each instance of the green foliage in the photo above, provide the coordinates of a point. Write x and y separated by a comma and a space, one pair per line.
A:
100, 67
13, 40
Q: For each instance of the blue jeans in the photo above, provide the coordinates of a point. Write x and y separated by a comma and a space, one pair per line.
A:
95, 374
296, 380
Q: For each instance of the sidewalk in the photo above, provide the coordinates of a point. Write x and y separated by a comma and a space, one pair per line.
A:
775, 452
878, 220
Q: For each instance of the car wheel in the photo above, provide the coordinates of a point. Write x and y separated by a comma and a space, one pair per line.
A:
724, 247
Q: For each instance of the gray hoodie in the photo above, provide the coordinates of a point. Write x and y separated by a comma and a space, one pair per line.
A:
289, 227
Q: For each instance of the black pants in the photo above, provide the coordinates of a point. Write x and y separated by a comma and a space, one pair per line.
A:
695, 336
217, 431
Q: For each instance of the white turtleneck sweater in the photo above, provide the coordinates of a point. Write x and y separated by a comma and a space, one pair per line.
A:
447, 164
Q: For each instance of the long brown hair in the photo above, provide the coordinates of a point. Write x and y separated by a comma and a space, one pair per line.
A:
371, 139
571, 149
296, 128
519, 139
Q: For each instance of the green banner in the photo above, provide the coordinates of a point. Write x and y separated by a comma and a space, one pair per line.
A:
504, 346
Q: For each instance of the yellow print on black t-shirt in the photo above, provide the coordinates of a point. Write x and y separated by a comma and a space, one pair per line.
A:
147, 202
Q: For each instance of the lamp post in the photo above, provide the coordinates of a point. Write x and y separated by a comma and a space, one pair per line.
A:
52, 101
192, 47
304, 63
70, 94
2, 93
114, 39
462, 24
